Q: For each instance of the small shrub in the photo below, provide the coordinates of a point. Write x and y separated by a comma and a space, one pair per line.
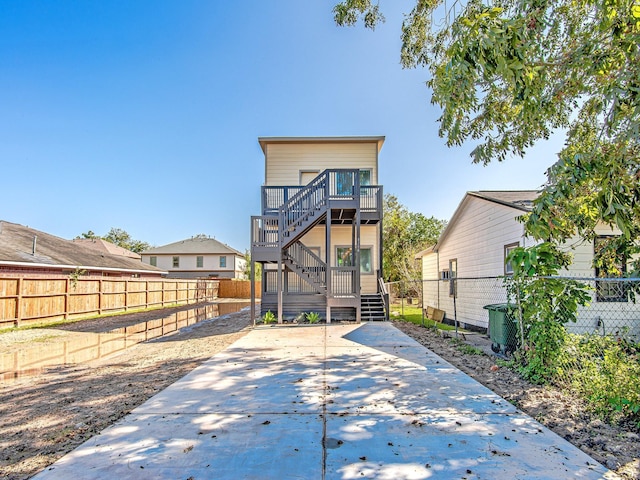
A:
605, 371
466, 348
313, 317
269, 317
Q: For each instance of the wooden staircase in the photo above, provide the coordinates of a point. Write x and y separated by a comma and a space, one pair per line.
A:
307, 265
372, 308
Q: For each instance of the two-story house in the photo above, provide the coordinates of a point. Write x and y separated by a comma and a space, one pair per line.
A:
197, 257
319, 237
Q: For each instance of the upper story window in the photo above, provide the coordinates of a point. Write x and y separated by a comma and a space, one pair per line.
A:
199, 261
223, 261
365, 177
153, 261
176, 262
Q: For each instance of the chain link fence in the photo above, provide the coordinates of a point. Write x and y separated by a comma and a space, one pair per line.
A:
596, 356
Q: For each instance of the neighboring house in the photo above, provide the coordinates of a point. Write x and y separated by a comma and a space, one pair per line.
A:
28, 252
103, 246
473, 248
319, 238
197, 257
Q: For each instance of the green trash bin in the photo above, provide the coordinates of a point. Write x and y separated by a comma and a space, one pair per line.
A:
502, 328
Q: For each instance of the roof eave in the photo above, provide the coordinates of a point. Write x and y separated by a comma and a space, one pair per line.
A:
377, 139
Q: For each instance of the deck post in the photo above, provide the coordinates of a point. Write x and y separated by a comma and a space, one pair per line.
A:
253, 291
280, 290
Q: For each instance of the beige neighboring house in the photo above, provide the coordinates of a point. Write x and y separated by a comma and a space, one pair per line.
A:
319, 235
27, 252
197, 257
473, 248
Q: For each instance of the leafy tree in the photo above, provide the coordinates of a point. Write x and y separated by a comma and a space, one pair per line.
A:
508, 73
246, 273
121, 238
404, 234
88, 234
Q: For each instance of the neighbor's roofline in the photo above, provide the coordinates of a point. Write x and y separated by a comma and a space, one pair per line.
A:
483, 195
81, 267
458, 211
378, 139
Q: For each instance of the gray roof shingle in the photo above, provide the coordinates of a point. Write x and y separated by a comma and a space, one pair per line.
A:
17, 246
194, 245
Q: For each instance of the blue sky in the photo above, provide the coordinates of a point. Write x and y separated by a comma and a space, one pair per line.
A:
144, 115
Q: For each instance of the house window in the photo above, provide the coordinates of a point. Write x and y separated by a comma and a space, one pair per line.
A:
508, 268
345, 258
176, 262
199, 261
365, 177
223, 261
344, 183
610, 290
153, 261
453, 273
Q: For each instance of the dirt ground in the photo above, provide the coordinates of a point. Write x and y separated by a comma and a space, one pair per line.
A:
42, 417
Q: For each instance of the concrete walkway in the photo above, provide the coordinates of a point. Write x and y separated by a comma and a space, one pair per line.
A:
326, 402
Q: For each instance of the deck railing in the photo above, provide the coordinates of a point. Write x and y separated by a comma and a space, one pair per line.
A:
343, 282
342, 185
264, 231
371, 198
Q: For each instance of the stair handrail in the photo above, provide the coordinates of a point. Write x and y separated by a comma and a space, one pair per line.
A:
299, 253
384, 295
307, 200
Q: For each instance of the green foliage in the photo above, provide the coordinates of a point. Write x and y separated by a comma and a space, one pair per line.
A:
88, 234
312, 317
508, 73
119, 237
605, 371
544, 304
466, 348
348, 12
404, 234
414, 315
269, 317
246, 273
75, 276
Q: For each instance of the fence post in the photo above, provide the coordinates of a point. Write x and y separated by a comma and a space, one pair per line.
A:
126, 295
19, 287
100, 294
66, 298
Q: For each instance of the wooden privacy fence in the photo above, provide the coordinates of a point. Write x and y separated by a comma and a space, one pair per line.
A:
32, 300
237, 288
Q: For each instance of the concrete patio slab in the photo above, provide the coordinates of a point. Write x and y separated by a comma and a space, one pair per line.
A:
326, 402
